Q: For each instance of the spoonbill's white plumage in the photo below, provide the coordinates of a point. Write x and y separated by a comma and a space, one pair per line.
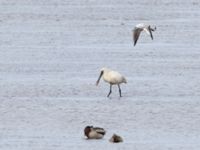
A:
113, 78
139, 28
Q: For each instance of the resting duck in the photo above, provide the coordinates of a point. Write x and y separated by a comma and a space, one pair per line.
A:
94, 132
116, 138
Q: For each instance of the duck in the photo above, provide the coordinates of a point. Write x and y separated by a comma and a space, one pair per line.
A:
116, 139
142, 27
113, 78
94, 132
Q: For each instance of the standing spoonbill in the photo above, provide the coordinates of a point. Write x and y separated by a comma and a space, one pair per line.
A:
112, 77
139, 28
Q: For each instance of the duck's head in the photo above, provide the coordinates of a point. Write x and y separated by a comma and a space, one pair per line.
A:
87, 130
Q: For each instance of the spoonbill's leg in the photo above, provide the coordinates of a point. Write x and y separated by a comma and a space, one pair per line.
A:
110, 90
120, 93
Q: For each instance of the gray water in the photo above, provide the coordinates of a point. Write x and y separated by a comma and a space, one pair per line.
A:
51, 53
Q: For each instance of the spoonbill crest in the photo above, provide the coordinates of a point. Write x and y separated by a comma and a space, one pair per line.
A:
139, 28
113, 78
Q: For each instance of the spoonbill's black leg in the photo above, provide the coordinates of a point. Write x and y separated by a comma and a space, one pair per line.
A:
120, 93
110, 90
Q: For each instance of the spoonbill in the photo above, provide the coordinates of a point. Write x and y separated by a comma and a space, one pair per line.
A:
139, 28
113, 78
94, 132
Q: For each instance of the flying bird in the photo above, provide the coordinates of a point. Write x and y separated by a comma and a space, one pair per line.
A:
142, 27
113, 78
94, 132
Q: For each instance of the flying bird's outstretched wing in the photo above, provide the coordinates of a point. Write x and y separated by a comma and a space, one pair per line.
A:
136, 34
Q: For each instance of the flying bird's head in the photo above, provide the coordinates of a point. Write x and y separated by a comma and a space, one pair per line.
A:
153, 28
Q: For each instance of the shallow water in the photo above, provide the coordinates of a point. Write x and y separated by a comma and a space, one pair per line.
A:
50, 56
